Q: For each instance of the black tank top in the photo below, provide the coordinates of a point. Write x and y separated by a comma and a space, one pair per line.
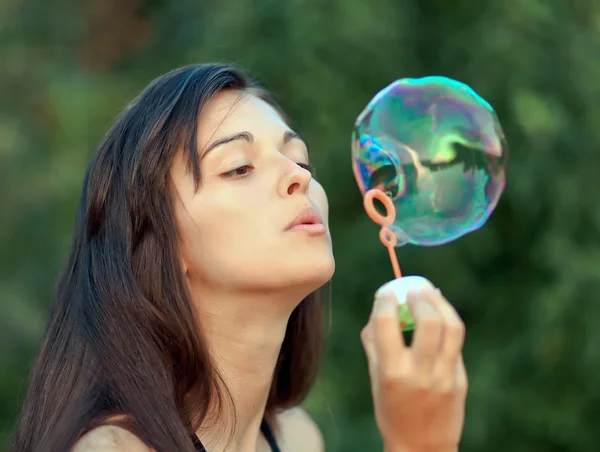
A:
264, 428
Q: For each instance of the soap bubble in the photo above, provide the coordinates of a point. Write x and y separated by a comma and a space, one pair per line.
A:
437, 149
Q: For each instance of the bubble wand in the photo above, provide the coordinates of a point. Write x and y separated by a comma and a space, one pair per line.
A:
387, 237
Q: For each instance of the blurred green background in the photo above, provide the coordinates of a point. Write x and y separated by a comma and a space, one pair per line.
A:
527, 284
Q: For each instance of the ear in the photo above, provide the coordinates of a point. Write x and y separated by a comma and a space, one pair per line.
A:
184, 265
183, 261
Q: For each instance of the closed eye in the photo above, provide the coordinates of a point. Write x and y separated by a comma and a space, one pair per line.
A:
241, 171
245, 170
308, 167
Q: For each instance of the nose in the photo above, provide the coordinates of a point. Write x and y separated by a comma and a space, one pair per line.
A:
295, 179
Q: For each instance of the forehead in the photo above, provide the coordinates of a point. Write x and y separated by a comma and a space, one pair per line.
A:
235, 111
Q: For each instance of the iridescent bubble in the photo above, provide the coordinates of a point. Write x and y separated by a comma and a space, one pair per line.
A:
437, 149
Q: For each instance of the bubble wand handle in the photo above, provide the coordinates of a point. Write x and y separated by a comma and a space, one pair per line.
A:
387, 237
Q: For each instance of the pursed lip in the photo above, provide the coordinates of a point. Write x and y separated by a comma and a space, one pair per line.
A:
307, 216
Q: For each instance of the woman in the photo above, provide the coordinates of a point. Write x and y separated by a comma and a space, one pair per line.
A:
188, 316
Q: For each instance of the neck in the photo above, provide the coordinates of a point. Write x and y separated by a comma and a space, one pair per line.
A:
244, 334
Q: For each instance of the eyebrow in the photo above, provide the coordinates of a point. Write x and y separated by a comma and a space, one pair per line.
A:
288, 136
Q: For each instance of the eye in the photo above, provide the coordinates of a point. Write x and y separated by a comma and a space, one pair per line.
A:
308, 167
241, 171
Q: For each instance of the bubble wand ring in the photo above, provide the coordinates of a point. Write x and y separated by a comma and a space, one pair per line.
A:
388, 238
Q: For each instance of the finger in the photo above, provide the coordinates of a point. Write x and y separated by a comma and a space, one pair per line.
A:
453, 336
388, 340
461, 378
428, 332
366, 337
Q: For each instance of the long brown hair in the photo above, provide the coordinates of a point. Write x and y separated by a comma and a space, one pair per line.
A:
121, 336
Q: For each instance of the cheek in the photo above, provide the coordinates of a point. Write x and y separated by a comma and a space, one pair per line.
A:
221, 222
207, 245
317, 195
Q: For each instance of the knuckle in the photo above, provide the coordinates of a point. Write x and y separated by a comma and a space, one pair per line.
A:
463, 387
394, 377
365, 334
456, 326
390, 381
422, 390
421, 384
382, 319
431, 322
445, 389
383, 315
456, 330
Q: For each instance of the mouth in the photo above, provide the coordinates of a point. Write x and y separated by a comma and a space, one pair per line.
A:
309, 221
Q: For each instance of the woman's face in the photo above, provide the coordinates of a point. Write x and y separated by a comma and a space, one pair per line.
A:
235, 229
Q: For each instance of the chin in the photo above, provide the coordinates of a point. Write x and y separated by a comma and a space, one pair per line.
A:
300, 270
311, 273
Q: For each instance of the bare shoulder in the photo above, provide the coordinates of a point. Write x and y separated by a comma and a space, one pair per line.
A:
298, 432
108, 438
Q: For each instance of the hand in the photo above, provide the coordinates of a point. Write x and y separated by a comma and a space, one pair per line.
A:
419, 392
